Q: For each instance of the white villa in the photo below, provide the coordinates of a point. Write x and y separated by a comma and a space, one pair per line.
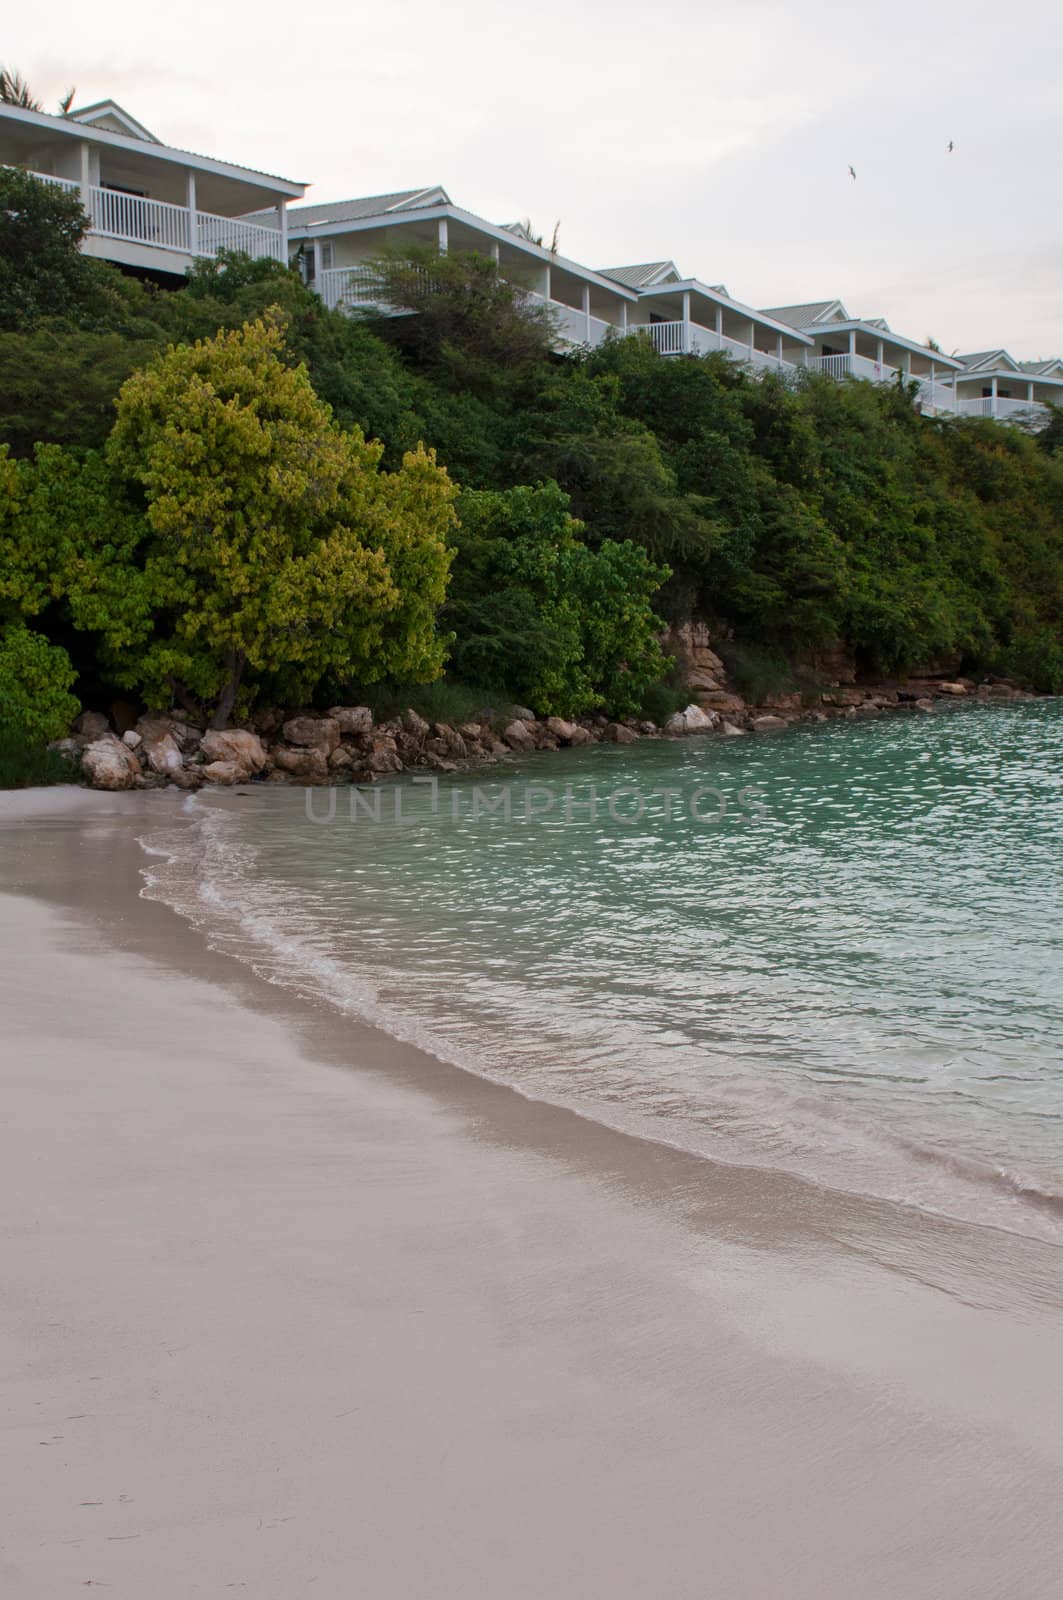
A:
857, 347
994, 384
154, 209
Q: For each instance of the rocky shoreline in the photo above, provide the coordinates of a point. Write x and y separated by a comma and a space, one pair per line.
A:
346, 745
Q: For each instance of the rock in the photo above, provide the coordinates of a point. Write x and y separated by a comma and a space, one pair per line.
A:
702, 678
729, 730
451, 740
676, 725
768, 724
699, 720
843, 697
415, 724
269, 720
617, 733
312, 733
161, 753
726, 705
92, 725
304, 763
108, 764
816, 716
952, 688
439, 763
352, 719
522, 714
518, 735
474, 731
340, 759
237, 745
382, 759
223, 772
868, 709
1000, 691
561, 730
790, 701
924, 705
69, 749
131, 739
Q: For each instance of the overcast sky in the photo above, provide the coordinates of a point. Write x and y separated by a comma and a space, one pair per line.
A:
715, 134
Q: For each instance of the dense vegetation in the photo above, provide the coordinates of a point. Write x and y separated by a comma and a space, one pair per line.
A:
211, 523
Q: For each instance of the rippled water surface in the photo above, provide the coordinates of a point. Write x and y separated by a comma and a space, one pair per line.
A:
838, 950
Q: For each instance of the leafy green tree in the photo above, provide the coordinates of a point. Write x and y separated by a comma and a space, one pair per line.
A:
232, 534
538, 612
35, 680
42, 270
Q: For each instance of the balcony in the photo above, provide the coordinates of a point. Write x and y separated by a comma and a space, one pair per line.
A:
1003, 407
690, 339
179, 230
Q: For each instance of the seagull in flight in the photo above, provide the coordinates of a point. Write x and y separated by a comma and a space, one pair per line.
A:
951, 147
852, 173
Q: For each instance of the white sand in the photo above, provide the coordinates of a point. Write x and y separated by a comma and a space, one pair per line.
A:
276, 1325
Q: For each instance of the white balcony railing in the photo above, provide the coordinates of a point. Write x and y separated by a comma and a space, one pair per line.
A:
1000, 406
137, 220
691, 339
852, 366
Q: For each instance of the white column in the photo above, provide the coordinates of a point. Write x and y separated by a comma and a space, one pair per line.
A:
546, 282
443, 236
686, 324
282, 222
623, 316
317, 265
587, 310
1029, 392
778, 348
193, 217
86, 175
907, 365
993, 392
718, 324
752, 336
880, 353
495, 252
852, 344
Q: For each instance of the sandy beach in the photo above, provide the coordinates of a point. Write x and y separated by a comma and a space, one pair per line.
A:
289, 1308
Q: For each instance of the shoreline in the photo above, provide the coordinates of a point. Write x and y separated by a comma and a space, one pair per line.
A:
713, 1331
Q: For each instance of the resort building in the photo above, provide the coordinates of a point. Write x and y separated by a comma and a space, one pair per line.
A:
858, 347
153, 209
994, 384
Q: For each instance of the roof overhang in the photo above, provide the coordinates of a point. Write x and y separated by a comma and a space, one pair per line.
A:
854, 325
1010, 374
66, 127
453, 213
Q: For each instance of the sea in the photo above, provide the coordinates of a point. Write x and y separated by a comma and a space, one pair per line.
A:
836, 951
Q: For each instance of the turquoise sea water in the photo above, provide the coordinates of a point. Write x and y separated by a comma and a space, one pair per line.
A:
837, 950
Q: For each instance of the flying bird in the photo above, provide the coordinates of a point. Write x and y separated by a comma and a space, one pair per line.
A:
852, 173
951, 147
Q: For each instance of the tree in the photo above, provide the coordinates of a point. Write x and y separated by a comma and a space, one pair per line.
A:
536, 611
42, 270
35, 679
233, 535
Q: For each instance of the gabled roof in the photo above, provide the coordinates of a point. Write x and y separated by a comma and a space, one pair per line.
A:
1052, 368
644, 275
108, 114
812, 312
989, 361
374, 205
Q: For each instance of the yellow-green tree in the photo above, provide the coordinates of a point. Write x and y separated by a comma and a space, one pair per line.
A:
274, 547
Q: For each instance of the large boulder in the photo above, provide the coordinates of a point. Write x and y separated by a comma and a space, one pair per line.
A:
237, 746
769, 724
302, 763
616, 733
312, 733
414, 724
108, 764
522, 714
720, 702
226, 772
161, 754
453, 745
352, 720
518, 735
383, 758
92, 725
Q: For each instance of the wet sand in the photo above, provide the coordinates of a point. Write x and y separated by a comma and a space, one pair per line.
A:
289, 1307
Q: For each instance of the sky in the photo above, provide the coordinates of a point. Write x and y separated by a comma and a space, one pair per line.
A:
717, 135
